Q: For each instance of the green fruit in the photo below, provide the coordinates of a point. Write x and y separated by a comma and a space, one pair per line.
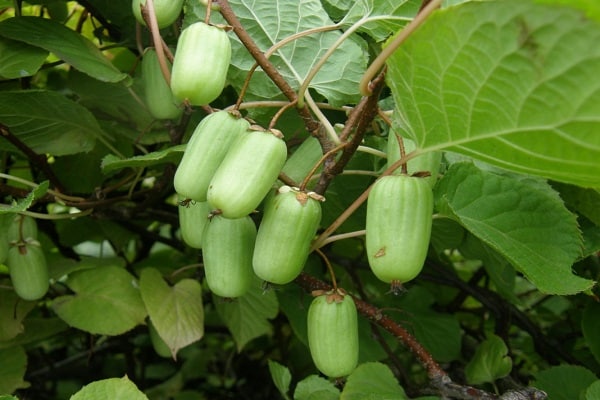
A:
205, 151
304, 158
28, 270
398, 227
201, 63
21, 228
166, 11
193, 217
248, 171
159, 99
429, 162
286, 231
333, 333
227, 253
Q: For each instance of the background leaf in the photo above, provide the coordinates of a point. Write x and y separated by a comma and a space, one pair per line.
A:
524, 222
512, 83
247, 317
489, 363
590, 326
176, 312
387, 16
65, 43
48, 122
102, 292
18, 59
171, 154
112, 388
12, 369
13, 311
564, 382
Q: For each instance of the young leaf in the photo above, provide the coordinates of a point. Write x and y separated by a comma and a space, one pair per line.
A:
48, 122
281, 377
112, 388
593, 391
314, 387
172, 154
512, 83
65, 43
24, 203
176, 312
105, 302
372, 381
525, 222
247, 316
489, 363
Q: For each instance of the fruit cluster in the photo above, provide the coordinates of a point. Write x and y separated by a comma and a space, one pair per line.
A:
230, 167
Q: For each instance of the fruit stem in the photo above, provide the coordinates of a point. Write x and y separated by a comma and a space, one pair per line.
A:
149, 16
330, 268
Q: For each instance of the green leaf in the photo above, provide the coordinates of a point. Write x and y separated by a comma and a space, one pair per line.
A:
172, 154
18, 59
24, 203
270, 21
5, 397
585, 201
281, 377
13, 311
106, 301
564, 382
247, 317
112, 388
314, 387
372, 381
176, 312
12, 369
524, 221
48, 122
590, 326
592, 392
383, 17
590, 7
490, 362
511, 83
65, 43
439, 333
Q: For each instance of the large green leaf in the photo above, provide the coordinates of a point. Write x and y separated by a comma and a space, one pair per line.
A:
523, 220
48, 122
511, 82
176, 312
106, 301
18, 59
65, 43
247, 317
270, 21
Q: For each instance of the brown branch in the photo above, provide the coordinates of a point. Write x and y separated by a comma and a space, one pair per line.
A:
38, 160
359, 120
